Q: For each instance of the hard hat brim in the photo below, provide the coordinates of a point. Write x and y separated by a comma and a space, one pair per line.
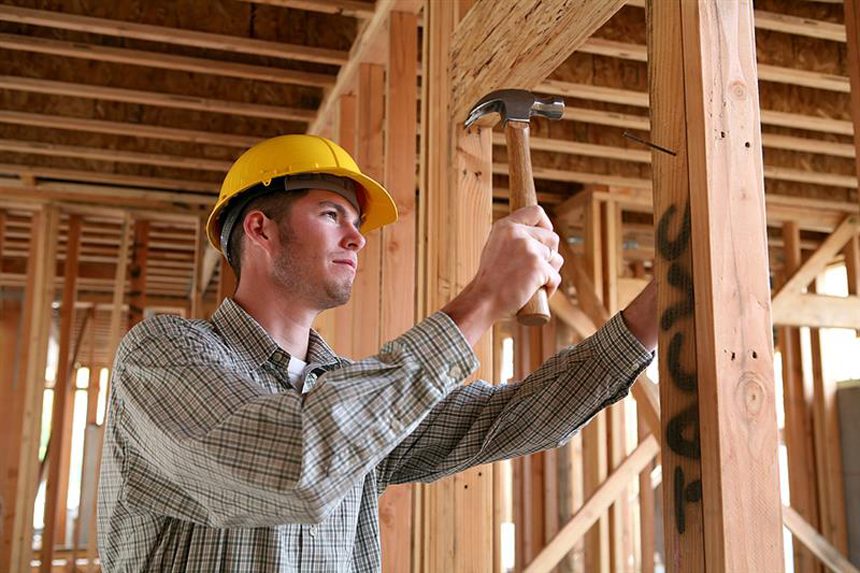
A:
378, 208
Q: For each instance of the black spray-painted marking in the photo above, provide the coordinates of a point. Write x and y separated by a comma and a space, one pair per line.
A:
682, 430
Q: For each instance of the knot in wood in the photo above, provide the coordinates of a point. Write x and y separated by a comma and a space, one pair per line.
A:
752, 394
738, 89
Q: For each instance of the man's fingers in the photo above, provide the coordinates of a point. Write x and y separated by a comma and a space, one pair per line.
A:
546, 237
533, 216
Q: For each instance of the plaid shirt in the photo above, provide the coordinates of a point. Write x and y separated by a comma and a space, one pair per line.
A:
213, 461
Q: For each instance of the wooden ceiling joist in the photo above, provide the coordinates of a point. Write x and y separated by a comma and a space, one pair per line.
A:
119, 179
164, 61
342, 7
171, 35
127, 129
770, 73
155, 98
100, 154
640, 99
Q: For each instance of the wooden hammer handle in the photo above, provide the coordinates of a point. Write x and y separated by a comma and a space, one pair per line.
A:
522, 188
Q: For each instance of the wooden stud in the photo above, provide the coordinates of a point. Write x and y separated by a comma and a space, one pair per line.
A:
594, 443
852, 33
226, 281
347, 125
798, 397
816, 543
40, 295
828, 454
197, 286
398, 250
343, 7
366, 287
57, 488
721, 449
137, 271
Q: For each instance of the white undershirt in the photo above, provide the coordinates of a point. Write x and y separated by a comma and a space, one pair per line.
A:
294, 372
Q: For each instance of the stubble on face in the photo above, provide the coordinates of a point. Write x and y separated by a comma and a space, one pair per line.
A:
294, 272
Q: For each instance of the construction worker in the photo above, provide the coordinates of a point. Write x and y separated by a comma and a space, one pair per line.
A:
244, 443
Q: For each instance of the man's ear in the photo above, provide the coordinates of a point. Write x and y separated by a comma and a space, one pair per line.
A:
259, 230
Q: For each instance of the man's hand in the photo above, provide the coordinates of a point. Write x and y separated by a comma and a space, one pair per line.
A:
520, 256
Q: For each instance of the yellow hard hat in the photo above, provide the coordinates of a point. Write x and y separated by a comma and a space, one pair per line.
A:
300, 154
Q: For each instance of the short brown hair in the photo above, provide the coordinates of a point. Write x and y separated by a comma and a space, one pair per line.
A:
275, 206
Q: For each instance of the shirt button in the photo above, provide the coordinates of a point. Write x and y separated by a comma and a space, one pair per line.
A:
313, 531
455, 372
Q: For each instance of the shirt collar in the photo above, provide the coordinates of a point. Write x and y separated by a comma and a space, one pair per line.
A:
254, 345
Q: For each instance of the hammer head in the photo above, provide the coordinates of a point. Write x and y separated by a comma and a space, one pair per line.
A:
516, 105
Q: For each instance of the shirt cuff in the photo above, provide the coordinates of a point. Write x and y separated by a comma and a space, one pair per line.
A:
439, 346
620, 351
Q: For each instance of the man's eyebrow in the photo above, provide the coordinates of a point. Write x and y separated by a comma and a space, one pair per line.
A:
341, 210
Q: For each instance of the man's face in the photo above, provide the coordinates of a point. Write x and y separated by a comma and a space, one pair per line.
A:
318, 249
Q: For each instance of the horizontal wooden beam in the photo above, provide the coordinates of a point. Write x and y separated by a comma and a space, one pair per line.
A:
99, 154
818, 311
518, 46
127, 129
770, 172
163, 61
169, 35
772, 140
792, 76
126, 180
341, 7
640, 99
180, 101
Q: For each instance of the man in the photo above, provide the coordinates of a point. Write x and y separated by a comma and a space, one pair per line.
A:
243, 443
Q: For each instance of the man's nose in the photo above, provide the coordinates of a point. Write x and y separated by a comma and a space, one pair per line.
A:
355, 240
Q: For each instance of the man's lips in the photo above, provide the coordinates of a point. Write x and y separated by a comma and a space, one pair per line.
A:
349, 262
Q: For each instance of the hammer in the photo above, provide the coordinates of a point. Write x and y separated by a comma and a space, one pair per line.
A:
516, 107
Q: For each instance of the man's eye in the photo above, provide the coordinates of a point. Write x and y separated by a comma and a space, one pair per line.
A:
332, 214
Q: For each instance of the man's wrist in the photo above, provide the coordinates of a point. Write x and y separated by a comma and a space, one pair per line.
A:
472, 312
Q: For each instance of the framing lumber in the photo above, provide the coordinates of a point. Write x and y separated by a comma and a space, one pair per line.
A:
125, 180
793, 76
820, 311
398, 241
364, 49
798, 398
57, 458
341, 7
828, 454
597, 503
137, 270
128, 129
640, 99
816, 543
101, 154
489, 43
162, 99
163, 61
815, 264
728, 433
371, 157
169, 35
40, 295
776, 22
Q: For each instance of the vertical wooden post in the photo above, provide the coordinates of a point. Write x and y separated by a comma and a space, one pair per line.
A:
137, 271
828, 454
720, 461
57, 488
594, 443
798, 398
40, 295
398, 250
197, 289
366, 317
852, 31
346, 122
852, 265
